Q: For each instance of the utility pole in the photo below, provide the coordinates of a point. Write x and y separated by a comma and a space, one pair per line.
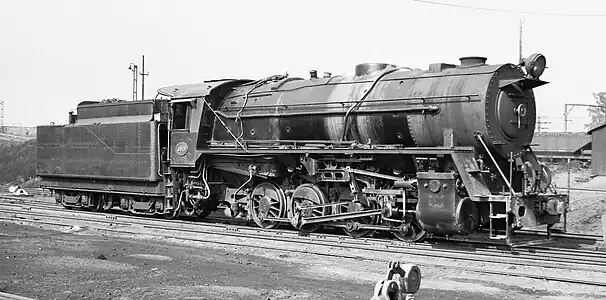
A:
134, 68
567, 111
521, 27
143, 74
2, 116
540, 124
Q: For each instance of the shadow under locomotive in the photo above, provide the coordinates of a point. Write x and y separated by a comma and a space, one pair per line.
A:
442, 152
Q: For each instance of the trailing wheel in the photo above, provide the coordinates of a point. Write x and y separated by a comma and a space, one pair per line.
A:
195, 206
203, 209
267, 200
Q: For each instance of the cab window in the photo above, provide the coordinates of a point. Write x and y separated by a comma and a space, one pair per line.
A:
180, 115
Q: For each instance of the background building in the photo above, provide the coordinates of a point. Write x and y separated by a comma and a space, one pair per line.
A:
598, 155
561, 145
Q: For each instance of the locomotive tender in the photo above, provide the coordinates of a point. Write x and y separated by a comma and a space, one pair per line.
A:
444, 151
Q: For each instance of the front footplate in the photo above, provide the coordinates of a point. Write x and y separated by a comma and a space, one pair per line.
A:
538, 209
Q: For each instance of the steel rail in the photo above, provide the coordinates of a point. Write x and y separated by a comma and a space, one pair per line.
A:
573, 236
7, 296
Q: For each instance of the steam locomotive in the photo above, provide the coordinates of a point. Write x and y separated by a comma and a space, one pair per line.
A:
444, 151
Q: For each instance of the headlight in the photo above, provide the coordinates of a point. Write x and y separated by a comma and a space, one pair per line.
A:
535, 65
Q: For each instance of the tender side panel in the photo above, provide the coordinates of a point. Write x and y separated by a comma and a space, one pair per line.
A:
122, 151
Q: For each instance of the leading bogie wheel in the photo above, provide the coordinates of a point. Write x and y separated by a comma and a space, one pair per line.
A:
412, 232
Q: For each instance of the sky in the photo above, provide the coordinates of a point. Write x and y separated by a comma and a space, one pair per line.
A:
55, 54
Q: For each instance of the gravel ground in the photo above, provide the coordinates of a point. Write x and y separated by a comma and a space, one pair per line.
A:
586, 208
44, 263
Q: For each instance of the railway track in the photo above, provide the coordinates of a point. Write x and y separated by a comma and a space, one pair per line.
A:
557, 239
497, 259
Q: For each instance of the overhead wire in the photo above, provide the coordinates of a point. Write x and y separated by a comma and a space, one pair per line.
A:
507, 10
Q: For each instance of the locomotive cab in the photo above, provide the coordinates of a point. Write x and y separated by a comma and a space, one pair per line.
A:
192, 114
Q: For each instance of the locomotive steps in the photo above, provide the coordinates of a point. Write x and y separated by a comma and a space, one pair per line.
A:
530, 262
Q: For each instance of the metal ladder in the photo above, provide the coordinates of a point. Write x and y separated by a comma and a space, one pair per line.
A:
168, 191
498, 216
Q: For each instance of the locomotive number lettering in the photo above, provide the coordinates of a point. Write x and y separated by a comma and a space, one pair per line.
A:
181, 148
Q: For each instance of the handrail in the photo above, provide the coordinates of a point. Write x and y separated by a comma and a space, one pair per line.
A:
431, 109
342, 103
479, 137
225, 126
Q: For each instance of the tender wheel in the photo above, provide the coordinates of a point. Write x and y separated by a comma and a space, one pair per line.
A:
372, 220
107, 202
60, 199
96, 203
267, 200
306, 195
411, 232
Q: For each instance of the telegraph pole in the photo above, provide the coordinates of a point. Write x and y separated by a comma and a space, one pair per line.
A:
143, 74
2, 116
540, 124
566, 117
521, 27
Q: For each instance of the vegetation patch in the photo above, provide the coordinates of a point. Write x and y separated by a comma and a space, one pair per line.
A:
18, 163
